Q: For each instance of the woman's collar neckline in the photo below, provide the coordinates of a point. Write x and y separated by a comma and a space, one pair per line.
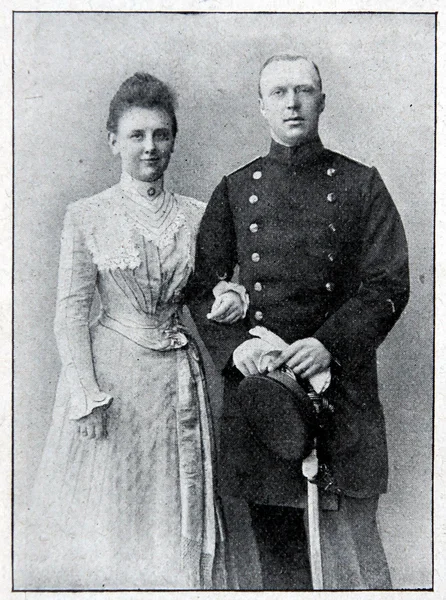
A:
149, 190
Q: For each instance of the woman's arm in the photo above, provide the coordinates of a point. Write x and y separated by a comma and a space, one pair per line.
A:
215, 261
76, 285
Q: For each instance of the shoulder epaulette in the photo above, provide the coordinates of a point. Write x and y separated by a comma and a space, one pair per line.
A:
347, 159
245, 166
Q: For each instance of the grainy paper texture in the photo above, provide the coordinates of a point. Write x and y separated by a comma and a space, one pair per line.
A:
379, 76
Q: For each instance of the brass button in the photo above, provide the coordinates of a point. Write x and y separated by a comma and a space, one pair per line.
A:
257, 174
258, 315
253, 228
253, 199
332, 227
331, 257
331, 172
331, 197
255, 257
151, 191
329, 286
258, 286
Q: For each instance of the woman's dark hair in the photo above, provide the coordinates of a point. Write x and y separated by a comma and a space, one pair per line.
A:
143, 91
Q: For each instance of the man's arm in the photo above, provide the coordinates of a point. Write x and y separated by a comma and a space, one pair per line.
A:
362, 323
357, 328
215, 261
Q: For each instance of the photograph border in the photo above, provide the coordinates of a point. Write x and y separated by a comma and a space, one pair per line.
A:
435, 234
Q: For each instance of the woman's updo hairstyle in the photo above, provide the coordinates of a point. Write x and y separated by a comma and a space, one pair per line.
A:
142, 90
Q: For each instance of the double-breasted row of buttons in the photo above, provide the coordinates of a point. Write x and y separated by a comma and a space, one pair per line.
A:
330, 172
331, 197
255, 257
254, 228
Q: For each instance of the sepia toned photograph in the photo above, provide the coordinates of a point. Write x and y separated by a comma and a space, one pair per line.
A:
223, 301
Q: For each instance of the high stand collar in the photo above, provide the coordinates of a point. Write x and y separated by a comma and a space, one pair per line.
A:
149, 190
296, 155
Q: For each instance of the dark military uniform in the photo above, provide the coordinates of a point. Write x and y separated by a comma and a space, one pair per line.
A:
322, 253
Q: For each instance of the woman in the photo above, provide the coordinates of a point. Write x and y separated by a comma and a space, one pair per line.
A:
124, 496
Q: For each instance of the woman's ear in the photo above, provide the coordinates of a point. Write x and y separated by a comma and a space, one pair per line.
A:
113, 143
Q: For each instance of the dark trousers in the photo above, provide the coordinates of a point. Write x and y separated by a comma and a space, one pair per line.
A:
353, 557
282, 546
266, 550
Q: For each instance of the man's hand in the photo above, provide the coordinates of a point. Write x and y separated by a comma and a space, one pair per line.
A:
227, 308
248, 356
93, 425
305, 357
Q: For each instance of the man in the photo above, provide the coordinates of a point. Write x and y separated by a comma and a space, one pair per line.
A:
323, 256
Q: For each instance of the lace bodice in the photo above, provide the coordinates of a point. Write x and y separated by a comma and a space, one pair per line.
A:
139, 256
114, 220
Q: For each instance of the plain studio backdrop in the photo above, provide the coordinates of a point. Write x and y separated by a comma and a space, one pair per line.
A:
378, 75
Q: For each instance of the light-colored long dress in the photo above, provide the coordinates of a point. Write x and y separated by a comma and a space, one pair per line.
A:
135, 510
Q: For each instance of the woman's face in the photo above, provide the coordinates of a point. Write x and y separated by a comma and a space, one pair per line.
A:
145, 141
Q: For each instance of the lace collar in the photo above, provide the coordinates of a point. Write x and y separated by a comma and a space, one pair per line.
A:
154, 214
149, 191
110, 225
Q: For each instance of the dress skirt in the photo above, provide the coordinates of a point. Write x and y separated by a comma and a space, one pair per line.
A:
135, 509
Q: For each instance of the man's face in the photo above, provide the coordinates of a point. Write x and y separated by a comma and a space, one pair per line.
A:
291, 101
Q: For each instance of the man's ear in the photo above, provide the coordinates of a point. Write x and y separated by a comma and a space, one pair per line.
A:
321, 103
262, 106
112, 142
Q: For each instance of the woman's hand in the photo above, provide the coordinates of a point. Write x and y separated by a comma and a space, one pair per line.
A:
93, 425
227, 308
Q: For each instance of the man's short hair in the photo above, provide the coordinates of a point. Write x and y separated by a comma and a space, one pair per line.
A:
289, 58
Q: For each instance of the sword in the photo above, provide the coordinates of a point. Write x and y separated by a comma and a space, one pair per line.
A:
309, 471
310, 464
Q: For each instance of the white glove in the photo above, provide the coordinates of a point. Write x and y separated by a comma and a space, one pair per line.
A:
249, 357
276, 345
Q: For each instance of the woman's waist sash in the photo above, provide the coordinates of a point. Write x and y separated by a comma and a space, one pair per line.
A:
155, 333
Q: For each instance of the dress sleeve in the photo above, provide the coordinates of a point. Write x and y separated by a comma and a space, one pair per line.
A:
76, 285
357, 328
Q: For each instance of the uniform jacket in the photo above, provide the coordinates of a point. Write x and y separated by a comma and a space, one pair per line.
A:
322, 253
